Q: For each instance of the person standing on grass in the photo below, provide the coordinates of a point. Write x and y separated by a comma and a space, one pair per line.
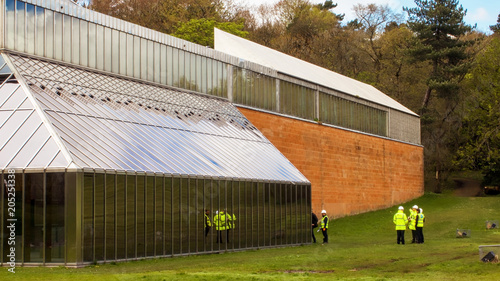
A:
400, 220
420, 226
208, 224
324, 226
314, 221
412, 223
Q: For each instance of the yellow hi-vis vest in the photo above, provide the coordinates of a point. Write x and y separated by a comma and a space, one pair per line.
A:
412, 219
323, 225
421, 218
207, 221
400, 220
220, 221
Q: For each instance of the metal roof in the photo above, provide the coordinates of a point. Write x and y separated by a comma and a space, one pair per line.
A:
60, 116
250, 51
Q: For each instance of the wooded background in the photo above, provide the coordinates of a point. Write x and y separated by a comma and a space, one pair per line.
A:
427, 58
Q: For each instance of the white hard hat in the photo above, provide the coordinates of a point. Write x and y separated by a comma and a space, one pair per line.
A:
414, 207
323, 212
401, 208
216, 212
421, 211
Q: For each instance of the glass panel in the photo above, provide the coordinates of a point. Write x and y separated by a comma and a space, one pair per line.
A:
175, 67
208, 205
30, 29
84, 41
123, 53
99, 217
170, 65
184, 226
255, 214
230, 215
75, 47
176, 219
20, 26
92, 45
137, 57
115, 51
272, 214
144, 59
159, 231
182, 69
110, 216
120, 217
150, 216
108, 51
12, 183
54, 245
193, 217
151, 61
10, 23
49, 33
66, 41
204, 75
34, 217
130, 55
168, 224
163, 64
236, 207
88, 218
100, 47
141, 238
131, 226
39, 31
192, 70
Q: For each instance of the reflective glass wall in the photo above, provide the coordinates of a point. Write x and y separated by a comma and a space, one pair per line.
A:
82, 218
128, 217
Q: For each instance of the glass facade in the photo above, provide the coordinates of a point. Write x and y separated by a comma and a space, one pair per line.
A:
133, 216
87, 42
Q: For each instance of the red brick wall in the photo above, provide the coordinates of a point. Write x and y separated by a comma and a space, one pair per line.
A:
350, 173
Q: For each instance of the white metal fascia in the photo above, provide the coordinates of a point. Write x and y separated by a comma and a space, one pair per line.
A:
41, 114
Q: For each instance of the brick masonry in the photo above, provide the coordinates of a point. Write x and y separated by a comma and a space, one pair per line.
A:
350, 173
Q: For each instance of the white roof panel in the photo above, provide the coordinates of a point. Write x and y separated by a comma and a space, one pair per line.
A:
283, 63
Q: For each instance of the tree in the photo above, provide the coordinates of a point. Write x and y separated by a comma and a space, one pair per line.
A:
496, 28
201, 31
480, 149
439, 27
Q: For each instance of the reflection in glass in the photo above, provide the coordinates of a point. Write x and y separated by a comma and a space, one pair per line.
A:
30, 29
54, 221
184, 215
131, 217
176, 215
169, 226
20, 26
150, 216
159, 231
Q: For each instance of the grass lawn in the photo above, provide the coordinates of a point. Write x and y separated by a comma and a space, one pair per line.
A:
362, 247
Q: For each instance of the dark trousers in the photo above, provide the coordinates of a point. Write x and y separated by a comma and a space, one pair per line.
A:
312, 233
420, 235
413, 236
325, 235
219, 236
227, 235
207, 229
401, 236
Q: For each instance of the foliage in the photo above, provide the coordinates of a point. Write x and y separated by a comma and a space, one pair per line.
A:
496, 28
481, 125
362, 247
201, 31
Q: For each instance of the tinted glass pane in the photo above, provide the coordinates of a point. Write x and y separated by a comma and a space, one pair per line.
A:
131, 217
99, 217
34, 215
88, 218
141, 238
184, 224
54, 247
159, 216
120, 217
150, 216
20, 27
193, 217
176, 215
110, 217
12, 183
168, 216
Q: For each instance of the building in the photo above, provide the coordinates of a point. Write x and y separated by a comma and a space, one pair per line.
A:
118, 137
99, 166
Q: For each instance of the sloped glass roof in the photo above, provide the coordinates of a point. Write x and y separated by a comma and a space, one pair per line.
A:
109, 122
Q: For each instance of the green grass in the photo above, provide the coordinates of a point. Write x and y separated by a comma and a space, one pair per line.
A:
362, 247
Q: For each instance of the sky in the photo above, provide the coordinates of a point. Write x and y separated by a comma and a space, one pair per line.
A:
481, 12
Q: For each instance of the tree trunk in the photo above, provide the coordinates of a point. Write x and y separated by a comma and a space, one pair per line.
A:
427, 96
